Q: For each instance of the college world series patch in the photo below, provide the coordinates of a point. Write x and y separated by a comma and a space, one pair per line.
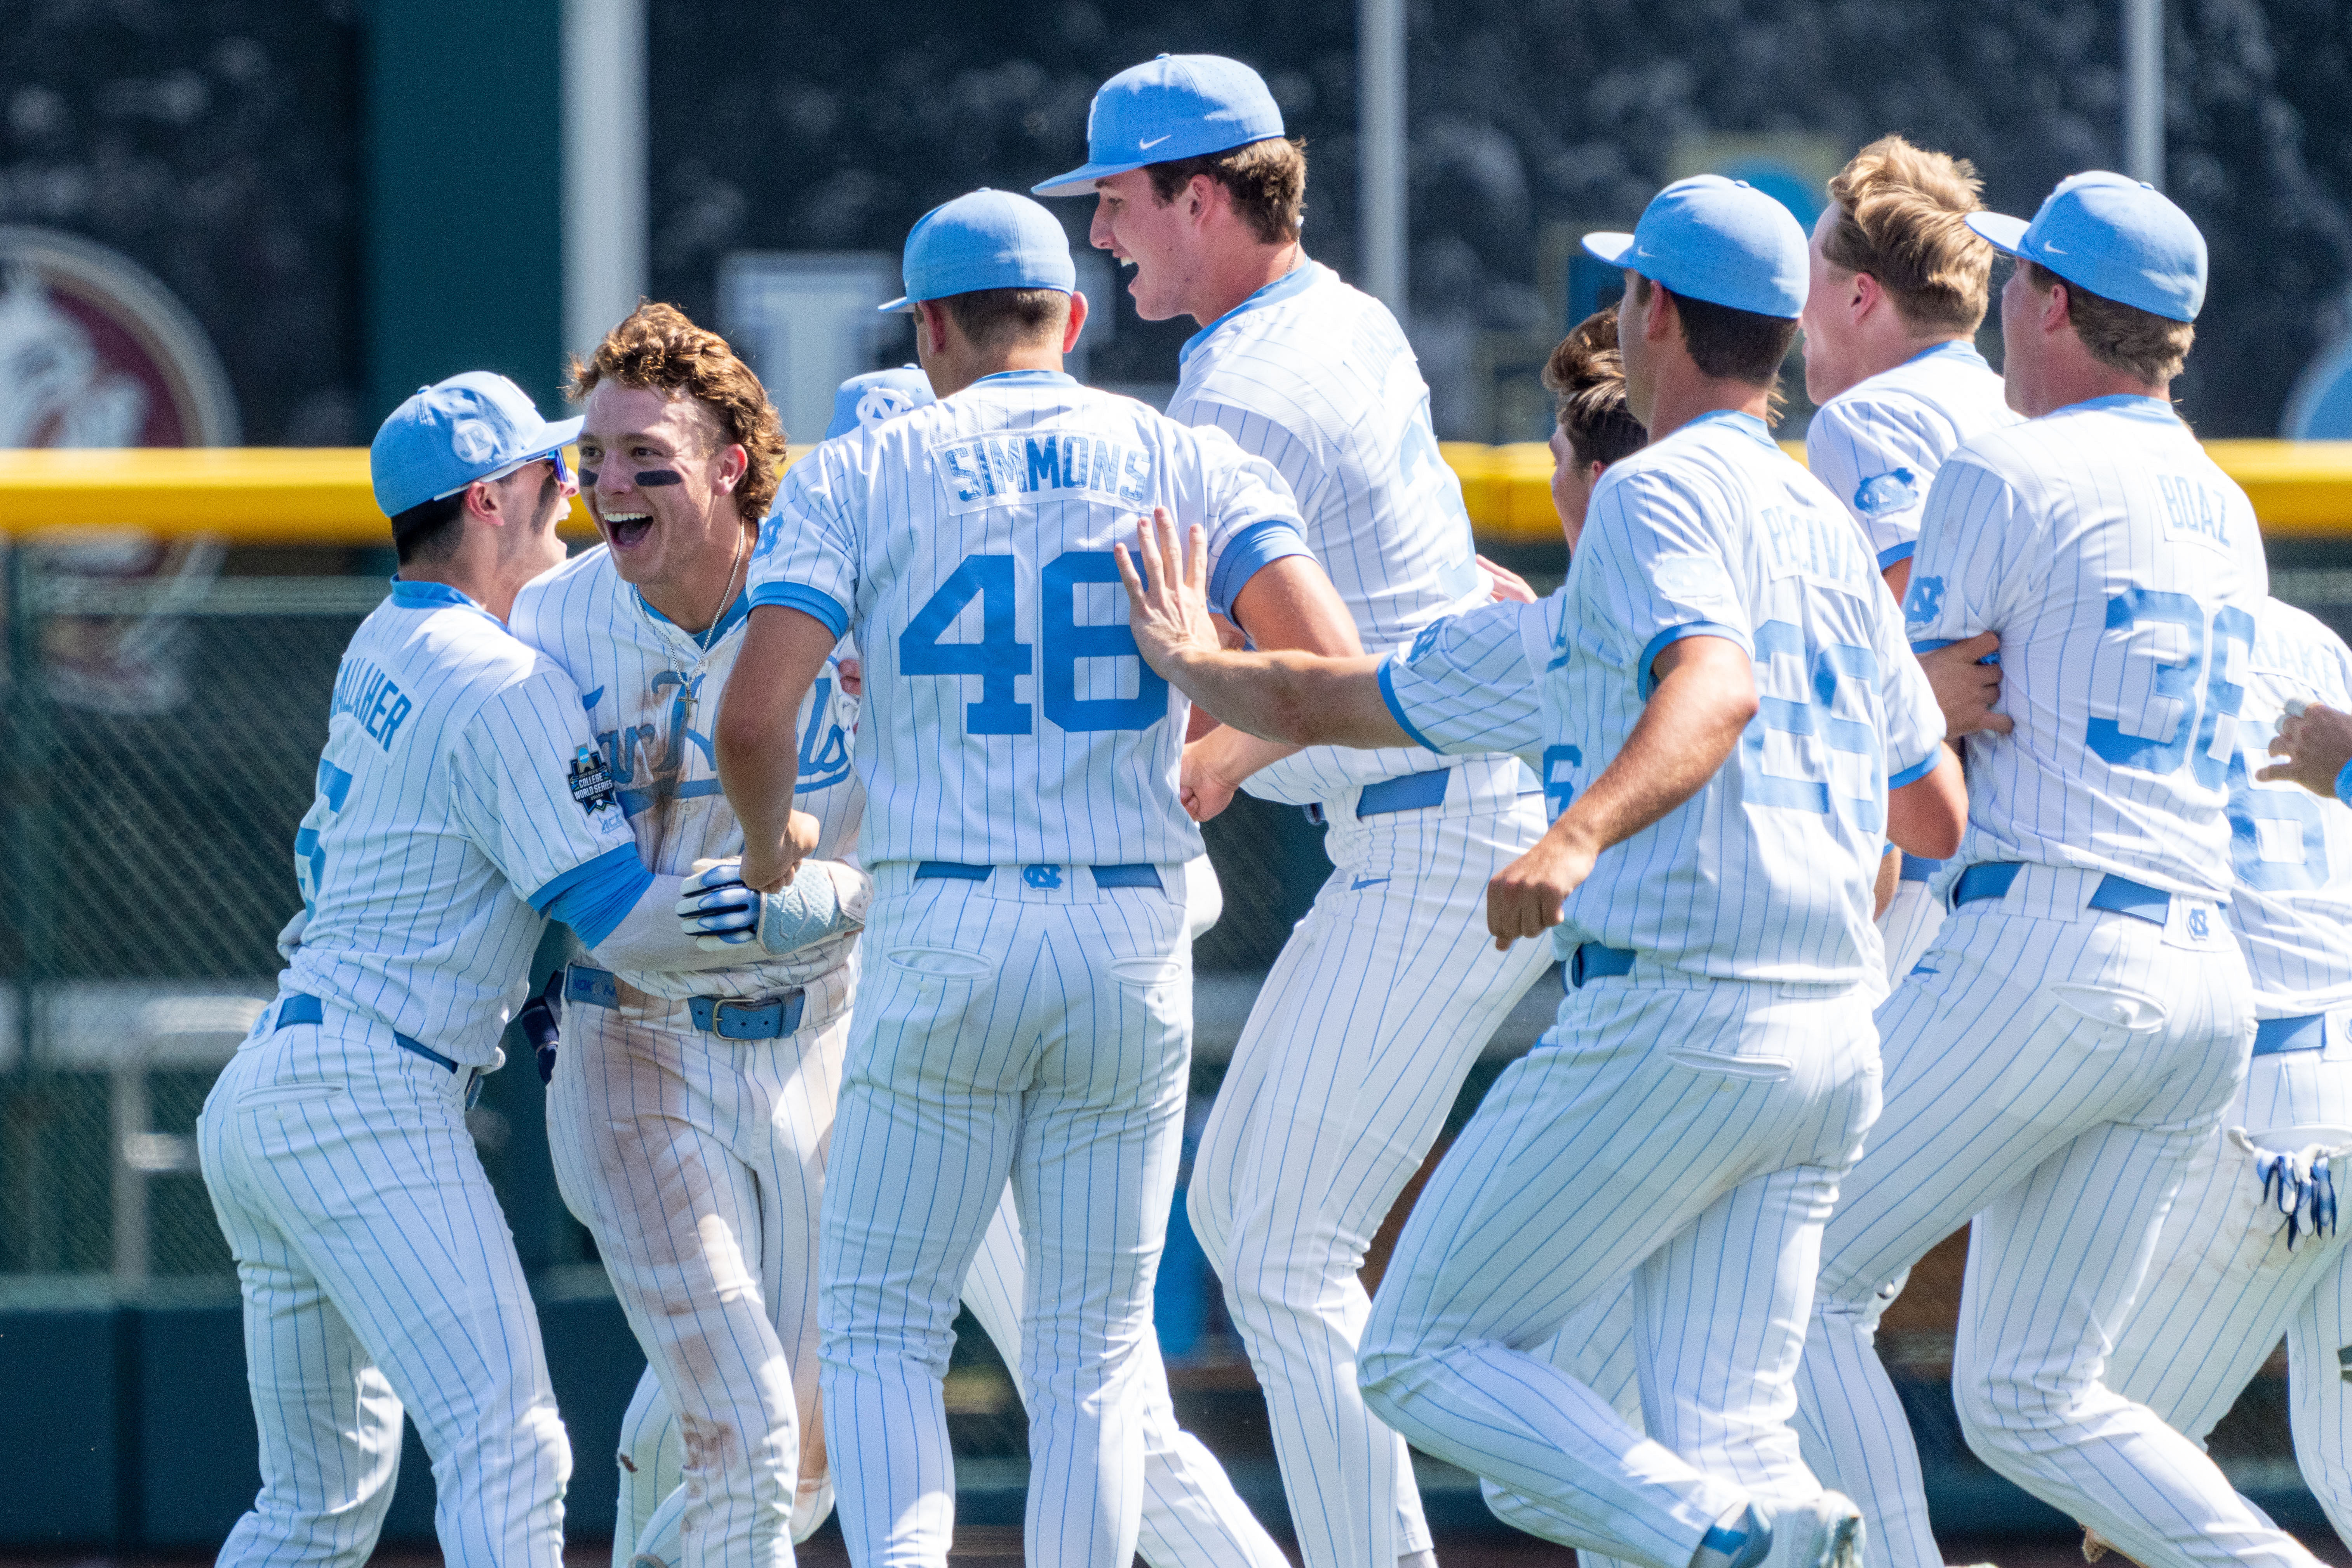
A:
592, 783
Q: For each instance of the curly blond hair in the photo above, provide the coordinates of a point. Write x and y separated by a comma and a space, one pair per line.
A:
658, 349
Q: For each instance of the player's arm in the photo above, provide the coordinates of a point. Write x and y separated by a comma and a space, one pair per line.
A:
1705, 696
1286, 604
2315, 743
785, 650
1298, 699
1927, 816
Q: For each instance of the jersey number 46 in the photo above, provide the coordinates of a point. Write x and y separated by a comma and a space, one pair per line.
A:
1000, 657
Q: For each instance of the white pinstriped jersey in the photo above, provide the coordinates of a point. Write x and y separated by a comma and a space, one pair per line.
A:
1317, 378
651, 694
2292, 906
444, 823
1007, 718
1877, 445
2121, 570
1766, 873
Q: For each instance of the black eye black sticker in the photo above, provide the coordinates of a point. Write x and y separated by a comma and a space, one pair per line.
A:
652, 476
587, 478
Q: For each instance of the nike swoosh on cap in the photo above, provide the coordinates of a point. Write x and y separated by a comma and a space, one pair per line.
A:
1156, 141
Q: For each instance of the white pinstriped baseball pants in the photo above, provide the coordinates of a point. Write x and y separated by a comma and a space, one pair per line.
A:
2225, 1284
698, 1163
1366, 1027
1005, 1029
378, 1277
2052, 1076
1193, 1517
1688, 1136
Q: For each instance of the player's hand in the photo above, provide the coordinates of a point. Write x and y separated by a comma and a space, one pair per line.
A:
1967, 688
1525, 896
853, 678
1203, 791
1505, 586
1167, 603
766, 871
2315, 742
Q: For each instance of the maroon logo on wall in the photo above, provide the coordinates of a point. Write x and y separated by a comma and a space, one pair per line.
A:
95, 352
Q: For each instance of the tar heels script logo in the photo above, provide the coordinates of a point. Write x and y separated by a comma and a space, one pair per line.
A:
1033, 465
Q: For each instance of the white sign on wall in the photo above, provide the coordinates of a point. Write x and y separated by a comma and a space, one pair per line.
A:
806, 322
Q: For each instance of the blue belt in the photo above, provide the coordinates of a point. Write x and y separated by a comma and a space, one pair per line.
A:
1143, 875
1590, 960
1406, 791
2273, 1036
759, 1019
1409, 792
302, 1008
2117, 895
1916, 869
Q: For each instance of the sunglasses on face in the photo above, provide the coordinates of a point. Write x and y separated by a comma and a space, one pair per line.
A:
562, 472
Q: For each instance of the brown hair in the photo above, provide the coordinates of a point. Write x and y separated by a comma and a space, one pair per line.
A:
1728, 343
1267, 181
1586, 376
1902, 216
659, 350
990, 316
2121, 337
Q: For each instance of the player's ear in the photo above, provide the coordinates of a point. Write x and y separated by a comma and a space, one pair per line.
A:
732, 464
1076, 322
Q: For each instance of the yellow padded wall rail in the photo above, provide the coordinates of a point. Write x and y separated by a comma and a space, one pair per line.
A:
288, 495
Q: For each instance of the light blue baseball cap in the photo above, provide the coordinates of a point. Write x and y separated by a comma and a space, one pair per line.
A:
446, 435
1720, 240
2119, 238
877, 397
988, 239
1169, 107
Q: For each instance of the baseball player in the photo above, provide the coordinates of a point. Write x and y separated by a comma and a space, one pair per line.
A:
1899, 286
1591, 426
2082, 1019
1368, 1021
2250, 1250
643, 1087
1729, 721
459, 804
1026, 1011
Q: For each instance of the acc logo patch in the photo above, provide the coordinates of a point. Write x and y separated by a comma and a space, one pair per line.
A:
1883, 493
1926, 600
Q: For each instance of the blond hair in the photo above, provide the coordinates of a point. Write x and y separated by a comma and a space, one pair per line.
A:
1267, 181
1586, 376
658, 349
2122, 337
1902, 216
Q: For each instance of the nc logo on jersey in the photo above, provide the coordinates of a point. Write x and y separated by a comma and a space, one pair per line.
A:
880, 404
1926, 601
1425, 639
1043, 876
2198, 925
1883, 493
1558, 787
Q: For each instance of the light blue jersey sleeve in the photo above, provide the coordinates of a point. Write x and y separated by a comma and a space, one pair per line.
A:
1966, 568
1913, 719
807, 557
511, 791
1657, 569
1467, 684
1253, 522
1878, 468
